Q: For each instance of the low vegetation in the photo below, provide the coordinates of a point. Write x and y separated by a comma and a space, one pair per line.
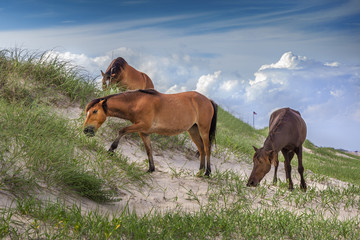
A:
42, 151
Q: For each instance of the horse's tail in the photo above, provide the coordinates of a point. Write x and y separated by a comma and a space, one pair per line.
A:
213, 123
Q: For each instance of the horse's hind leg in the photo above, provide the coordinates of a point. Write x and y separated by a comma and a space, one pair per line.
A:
204, 136
146, 139
206, 141
195, 136
298, 152
207, 153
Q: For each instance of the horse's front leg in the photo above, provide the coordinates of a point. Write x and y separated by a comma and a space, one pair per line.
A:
276, 164
115, 144
138, 127
288, 155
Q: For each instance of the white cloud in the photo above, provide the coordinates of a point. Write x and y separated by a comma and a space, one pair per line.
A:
332, 64
287, 61
205, 82
176, 89
337, 93
229, 85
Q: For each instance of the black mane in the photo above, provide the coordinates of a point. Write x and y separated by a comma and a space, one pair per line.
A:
116, 66
149, 91
97, 100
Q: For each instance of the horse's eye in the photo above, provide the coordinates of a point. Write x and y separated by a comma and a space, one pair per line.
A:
95, 111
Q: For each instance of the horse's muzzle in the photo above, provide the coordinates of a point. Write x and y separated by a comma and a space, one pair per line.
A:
89, 131
252, 183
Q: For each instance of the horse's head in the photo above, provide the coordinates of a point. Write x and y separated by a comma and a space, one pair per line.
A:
107, 79
95, 116
262, 164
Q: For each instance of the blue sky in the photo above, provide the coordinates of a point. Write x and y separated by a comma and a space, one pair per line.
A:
246, 55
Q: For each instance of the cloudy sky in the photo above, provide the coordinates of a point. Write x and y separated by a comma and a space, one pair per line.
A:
246, 55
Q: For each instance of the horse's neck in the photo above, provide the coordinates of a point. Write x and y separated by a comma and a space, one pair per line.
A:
118, 106
271, 143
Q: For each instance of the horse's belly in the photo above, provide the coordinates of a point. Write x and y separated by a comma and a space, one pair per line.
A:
172, 123
169, 129
167, 132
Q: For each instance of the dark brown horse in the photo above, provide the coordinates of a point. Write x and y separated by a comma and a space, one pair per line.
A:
152, 112
287, 133
122, 74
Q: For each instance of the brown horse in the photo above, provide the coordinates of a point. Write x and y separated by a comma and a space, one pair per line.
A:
152, 112
287, 133
122, 74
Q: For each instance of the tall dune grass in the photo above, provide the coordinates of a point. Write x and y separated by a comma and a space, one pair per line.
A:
26, 75
38, 147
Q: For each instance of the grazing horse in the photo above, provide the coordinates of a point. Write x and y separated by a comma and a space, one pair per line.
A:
287, 133
122, 74
152, 112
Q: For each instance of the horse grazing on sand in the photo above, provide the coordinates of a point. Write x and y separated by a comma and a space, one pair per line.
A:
287, 133
152, 112
121, 73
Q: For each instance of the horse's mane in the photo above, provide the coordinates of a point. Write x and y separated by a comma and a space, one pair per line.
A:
116, 65
270, 138
97, 100
280, 120
278, 124
149, 91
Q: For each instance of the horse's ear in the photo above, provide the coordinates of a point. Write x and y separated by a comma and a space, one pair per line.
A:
102, 74
256, 149
103, 104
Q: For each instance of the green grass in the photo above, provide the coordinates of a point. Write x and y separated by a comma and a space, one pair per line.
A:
36, 146
332, 163
234, 134
234, 220
26, 76
41, 151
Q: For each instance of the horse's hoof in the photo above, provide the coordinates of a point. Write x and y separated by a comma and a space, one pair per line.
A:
274, 181
151, 170
111, 152
200, 173
207, 173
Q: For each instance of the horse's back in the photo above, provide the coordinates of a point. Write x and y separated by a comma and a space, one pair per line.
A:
179, 112
185, 101
288, 124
